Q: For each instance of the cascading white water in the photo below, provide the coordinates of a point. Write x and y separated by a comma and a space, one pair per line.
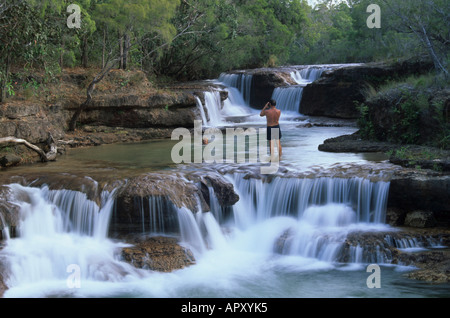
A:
213, 105
59, 229
287, 222
292, 196
202, 111
308, 75
235, 105
242, 82
218, 112
320, 211
289, 98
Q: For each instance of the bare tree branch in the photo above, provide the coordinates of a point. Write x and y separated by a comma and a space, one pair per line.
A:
416, 25
49, 156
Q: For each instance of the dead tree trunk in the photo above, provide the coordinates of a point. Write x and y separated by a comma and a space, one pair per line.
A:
49, 156
426, 40
105, 70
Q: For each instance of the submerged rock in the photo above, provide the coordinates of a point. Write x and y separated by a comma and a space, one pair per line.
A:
9, 214
160, 253
9, 160
433, 266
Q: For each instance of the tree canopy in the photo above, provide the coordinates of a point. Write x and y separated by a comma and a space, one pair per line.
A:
197, 39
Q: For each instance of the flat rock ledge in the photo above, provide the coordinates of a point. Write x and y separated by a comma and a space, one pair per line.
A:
354, 143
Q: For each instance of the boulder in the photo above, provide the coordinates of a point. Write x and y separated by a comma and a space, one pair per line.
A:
433, 266
421, 190
9, 160
395, 216
264, 83
135, 201
33, 128
420, 219
150, 202
12, 111
354, 143
160, 253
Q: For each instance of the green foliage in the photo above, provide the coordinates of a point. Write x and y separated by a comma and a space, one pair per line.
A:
417, 156
10, 89
406, 116
365, 122
199, 39
412, 112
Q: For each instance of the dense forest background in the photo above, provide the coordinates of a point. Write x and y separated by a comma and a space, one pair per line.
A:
197, 39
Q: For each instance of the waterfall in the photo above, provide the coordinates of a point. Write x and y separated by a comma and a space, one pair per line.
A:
235, 105
158, 215
59, 229
289, 98
292, 196
243, 82
202, 111
308, 75
320, 212
296, 222
213, 106
219, 113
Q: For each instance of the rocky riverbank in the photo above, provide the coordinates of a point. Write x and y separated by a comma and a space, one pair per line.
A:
125, 107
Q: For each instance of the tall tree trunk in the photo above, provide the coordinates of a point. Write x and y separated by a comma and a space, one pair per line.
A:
437, 63
84, 52
120, 50
126, 47
104, 47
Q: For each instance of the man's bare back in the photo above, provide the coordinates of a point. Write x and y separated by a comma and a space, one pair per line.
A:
272, 116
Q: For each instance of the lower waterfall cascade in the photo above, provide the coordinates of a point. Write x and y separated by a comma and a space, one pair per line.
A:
288, 217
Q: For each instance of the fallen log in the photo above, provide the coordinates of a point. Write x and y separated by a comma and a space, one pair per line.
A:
49, 156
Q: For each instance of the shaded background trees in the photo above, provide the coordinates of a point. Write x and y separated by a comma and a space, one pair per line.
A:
217, 35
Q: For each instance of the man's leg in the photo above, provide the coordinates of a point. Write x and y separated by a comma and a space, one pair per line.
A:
280, 151
272, 146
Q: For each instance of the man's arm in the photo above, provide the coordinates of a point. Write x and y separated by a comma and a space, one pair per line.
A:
263, 112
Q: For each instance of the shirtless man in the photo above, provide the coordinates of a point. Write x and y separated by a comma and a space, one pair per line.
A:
273, 126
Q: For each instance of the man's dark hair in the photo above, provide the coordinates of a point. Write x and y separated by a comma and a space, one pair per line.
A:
273, 102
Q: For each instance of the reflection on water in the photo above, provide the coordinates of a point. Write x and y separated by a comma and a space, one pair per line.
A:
114, 160
300, 151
